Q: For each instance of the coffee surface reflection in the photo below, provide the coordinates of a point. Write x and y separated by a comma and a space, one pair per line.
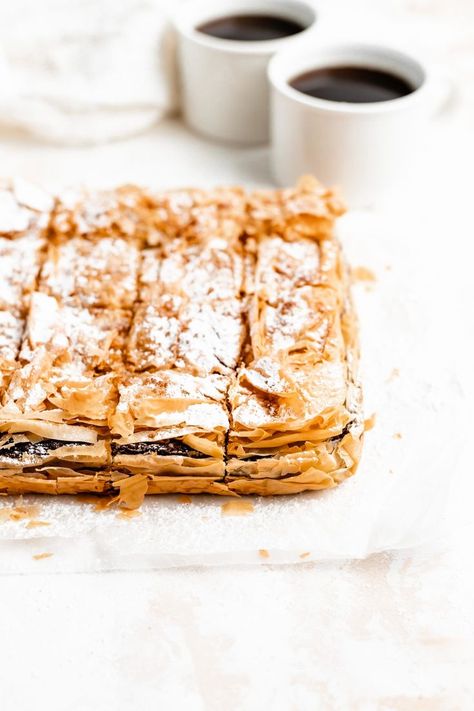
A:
355, 85
250, 28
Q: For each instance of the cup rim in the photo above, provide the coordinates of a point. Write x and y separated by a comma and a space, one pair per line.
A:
187, 28
281, 69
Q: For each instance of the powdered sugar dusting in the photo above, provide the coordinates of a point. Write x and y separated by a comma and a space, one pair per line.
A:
152, 339
19, 267
13, 218
295, 316
210, 337
284, 265
101, 273
11, 330
190, 317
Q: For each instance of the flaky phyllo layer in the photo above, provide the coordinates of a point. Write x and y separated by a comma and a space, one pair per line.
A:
182, 341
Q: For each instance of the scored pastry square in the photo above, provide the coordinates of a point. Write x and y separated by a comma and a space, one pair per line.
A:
171, 422
198, 338
209, 269
210, 337
66, 367
64, 386
152, 339
309, 209
183, 341
20, 263
24, 216
196, 214
94, 273
124, 212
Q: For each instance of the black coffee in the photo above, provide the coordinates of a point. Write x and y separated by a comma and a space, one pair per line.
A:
250, 28
356, 85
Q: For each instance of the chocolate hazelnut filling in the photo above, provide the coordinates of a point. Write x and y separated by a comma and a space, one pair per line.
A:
166, 448
35, 449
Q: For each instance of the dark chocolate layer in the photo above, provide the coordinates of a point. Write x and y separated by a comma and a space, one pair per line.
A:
165, 448
35, 449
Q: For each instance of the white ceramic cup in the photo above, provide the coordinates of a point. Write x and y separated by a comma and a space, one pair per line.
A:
362, 148
224, 87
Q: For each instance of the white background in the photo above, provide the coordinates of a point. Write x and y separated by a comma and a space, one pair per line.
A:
393, 632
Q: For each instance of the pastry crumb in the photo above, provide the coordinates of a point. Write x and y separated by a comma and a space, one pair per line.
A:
41, 556
100, 503
263, 553
132, 491
305, 554
20, 512
128, 513
237, 507
36, 523
369, 423
393, 374
185, 499
363, 274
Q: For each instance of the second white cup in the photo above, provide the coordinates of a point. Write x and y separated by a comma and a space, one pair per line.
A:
365, 148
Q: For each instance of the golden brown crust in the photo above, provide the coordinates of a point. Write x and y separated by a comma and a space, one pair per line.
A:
309, 209
187, 341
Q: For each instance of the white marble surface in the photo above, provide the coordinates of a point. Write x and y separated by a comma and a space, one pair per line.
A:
394, 632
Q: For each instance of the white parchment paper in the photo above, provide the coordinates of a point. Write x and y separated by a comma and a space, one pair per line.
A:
413, 382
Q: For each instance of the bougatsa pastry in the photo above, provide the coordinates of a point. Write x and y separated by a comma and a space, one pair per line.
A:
186, 341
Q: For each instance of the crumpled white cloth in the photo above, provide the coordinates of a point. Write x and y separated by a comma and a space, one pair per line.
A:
85, 71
